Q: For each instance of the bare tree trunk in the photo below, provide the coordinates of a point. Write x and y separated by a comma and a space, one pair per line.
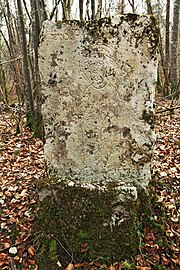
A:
81, 9
87, 9
35, 29
42, 6
28, 90
26, 9
99, 10
92, 9
66, 5
166, 83
149, 7
12, 44
163, 63
122, 7
69, 8
35, 15
35, 36
174, 46
3, 84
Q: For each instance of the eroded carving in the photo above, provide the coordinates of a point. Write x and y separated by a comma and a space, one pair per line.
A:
99, 79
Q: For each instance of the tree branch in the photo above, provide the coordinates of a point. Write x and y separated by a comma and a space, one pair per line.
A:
54, 9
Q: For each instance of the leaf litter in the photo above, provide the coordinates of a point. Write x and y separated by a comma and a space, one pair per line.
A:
22, 163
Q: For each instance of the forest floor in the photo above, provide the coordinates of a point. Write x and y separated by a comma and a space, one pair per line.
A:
22, 163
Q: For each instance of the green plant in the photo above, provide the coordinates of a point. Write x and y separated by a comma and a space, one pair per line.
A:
82, 234
16, 152
127, 265
160, 267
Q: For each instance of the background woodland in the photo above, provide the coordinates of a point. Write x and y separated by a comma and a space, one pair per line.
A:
20, 26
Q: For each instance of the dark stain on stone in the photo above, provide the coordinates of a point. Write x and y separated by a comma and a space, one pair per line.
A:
91, 149
105, 40
59, 25
90, 134
148, 117
126, 132
62, 149
125, 32
54, 57
113, 128
52, 82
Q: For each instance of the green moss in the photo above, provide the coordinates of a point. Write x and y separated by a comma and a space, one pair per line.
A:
38, 125
111, 185
46, 182
143, 201
75, 215
29, 120
83, 234
47, 256
17, 128
52, 254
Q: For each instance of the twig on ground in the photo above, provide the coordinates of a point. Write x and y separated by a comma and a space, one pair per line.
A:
13, 265
4, 119
172, 94
168, 109
71, 256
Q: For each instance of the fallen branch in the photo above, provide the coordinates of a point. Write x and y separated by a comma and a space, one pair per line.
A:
172, 94
15, 59
168, 109
71, 256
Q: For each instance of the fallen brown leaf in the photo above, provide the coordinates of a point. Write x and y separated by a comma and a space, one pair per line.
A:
31, 251
70, 267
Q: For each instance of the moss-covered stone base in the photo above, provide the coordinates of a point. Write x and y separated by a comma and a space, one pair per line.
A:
76, 221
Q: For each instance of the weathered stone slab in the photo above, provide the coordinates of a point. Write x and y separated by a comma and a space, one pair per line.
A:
98, 81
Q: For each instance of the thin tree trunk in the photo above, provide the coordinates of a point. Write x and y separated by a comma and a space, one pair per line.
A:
87, 10
43, 9
149, 7
28, 90
35, 35
26, 9
81, 9
99, 10
69, 8
166, 84
174, 46
38, 124
122, 7
163, 61
66, 9
14, 51
92, 9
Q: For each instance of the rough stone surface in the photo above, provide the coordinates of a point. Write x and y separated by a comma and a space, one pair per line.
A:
98, 81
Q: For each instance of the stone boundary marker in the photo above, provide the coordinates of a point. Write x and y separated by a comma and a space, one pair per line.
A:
98, 82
